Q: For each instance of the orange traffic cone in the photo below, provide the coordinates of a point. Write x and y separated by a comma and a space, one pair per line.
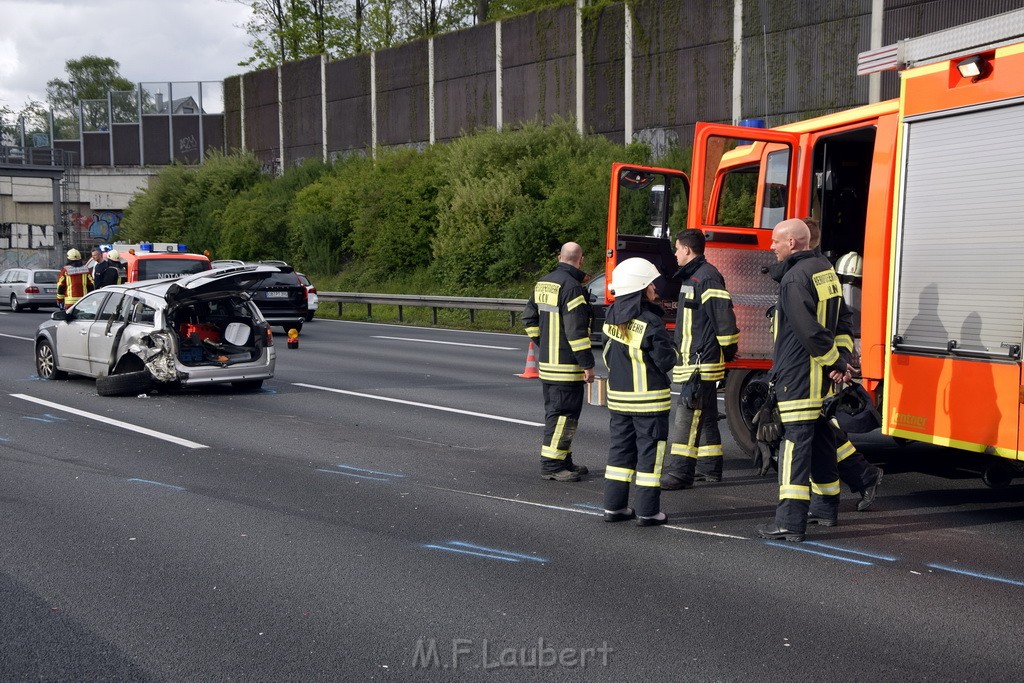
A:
530, 371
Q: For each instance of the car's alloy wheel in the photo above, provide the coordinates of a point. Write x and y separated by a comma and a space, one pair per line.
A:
46, 362
15, 304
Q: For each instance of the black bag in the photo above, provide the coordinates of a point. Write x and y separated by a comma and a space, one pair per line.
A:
689, 392
768, 431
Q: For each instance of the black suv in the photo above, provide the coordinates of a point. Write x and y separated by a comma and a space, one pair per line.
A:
282, 298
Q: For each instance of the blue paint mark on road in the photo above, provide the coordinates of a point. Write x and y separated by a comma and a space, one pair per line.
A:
157, 483
977, 575
4, 439
352, 474
851, 551
466, 548
359, 469
588, 506
45, 418
468, 552
789, 545
531, 558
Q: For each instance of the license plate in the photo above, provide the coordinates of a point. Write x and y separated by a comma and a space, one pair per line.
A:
49, 290
277, 295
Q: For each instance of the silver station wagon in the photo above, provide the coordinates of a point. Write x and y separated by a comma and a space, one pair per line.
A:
195, 330
28, 288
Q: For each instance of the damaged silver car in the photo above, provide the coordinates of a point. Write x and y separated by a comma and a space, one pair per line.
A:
199, 329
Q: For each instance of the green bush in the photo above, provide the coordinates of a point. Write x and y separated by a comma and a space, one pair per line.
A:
184, 204
483, 215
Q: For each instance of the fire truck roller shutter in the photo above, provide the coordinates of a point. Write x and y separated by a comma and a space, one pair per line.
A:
959, 276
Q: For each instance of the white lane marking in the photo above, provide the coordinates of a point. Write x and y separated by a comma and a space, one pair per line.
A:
421, 405
580, 512
12, 336
113, 423
435, 341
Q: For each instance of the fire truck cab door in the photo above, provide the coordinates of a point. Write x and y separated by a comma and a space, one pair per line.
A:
743, 184
646, 208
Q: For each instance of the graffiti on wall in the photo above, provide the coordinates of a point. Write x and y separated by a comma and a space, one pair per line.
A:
102, 226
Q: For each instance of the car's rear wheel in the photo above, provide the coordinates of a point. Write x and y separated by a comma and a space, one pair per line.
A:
15, 304
248, 385
124, 383
310, 315
46, 362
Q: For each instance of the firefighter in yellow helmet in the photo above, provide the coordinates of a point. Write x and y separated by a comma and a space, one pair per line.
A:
74, 280
639, 354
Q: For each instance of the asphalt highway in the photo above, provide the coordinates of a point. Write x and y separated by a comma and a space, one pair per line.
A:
376, 513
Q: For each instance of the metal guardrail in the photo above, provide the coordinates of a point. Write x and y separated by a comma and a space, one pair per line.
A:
472, 303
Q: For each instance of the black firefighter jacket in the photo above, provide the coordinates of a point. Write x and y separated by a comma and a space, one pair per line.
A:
706, 332
639, 361
810, 325
557, 318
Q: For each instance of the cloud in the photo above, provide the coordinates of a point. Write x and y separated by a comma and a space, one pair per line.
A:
153, 40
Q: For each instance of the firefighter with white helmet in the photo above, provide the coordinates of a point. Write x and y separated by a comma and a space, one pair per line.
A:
111, 275
557, 319
640, 355
74, 280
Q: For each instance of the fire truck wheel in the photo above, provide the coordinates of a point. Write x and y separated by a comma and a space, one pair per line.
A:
741, 404
998, 476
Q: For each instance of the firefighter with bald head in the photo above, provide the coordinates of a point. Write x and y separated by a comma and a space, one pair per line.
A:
855, 471
74, 280
805, 361
557, 319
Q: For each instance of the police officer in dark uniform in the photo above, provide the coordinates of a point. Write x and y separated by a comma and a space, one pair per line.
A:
557, 318
805, 361
706, 337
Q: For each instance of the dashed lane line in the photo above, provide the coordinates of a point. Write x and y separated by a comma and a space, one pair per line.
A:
417, 404
113, 423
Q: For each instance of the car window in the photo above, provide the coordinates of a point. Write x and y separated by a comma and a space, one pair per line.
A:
112, 306
19, 276
87, 308
4, 275
142, 313
161, 268
280, 280
46, 277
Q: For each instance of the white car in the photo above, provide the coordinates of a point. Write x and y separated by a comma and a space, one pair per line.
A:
195, 330
312, 300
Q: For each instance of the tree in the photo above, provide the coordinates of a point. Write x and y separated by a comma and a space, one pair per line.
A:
88, 78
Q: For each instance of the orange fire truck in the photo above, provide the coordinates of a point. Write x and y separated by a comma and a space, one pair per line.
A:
928, 189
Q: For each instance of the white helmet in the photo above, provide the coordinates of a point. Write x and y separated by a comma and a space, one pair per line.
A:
632, 275
850, 265
74, 255
112, 255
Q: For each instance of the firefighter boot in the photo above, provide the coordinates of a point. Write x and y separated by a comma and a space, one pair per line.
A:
573, 467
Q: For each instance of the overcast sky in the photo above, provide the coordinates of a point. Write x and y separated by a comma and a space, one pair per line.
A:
153, 40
